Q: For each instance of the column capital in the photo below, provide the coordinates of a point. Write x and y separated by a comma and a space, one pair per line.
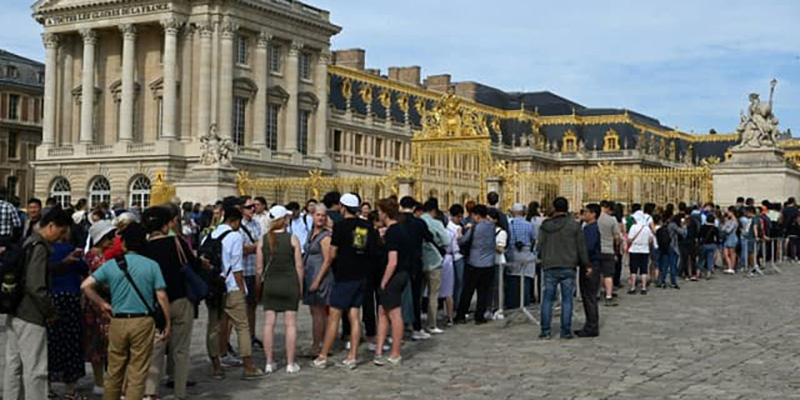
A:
50, 40
189, 29
324, 57
89, 36
296, 47
263, 39
228, 28
172, 25
206, 29
128, 31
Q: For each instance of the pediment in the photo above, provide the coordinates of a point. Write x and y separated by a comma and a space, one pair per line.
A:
47, 4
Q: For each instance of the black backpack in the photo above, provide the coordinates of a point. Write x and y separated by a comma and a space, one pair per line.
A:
663, 238
211, 250
12, 271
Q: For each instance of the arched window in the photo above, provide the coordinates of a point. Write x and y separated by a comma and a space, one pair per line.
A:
99, 191
62, 191
140, 192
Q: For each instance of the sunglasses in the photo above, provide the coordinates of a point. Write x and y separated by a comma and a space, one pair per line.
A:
250, 207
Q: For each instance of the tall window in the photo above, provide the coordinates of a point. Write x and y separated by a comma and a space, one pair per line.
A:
275, 58
160, 116
11, 184
239, 114
12, 72
272, 126
305, 66
99, 192
62, 192
398, 150
378, 148
241, 50
12, 145
140, 192
357, 145
337, 140
13, 106
302, 139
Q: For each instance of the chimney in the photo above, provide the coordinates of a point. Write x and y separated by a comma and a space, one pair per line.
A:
468, 90
439, 83
409, 75
373, 71
352, 58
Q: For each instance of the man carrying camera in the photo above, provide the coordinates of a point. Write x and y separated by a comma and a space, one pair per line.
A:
520, 256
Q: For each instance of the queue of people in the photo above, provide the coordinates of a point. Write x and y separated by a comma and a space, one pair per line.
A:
126, 285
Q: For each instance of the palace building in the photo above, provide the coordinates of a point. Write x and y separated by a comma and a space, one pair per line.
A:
159, 73
21, 89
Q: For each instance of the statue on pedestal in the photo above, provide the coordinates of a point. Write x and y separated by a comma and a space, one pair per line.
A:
759, 126
214, 150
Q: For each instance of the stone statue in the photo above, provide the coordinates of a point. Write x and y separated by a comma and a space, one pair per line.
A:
758, 127
215, 150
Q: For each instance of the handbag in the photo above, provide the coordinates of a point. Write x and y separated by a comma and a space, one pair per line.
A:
157, 314
196, 287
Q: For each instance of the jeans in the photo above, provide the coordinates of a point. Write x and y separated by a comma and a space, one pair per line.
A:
708, 256
458, 284
565, 278
668, 263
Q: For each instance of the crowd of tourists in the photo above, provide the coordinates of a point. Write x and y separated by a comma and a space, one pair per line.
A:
121, 288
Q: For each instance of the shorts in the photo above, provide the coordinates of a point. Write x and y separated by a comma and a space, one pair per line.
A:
392, 296
607, 265
250, 283
639, 263
346, 295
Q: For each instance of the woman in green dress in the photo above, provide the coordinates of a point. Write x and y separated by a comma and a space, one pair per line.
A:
280, 264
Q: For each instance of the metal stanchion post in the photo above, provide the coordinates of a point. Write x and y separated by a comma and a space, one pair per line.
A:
500, 296
774, 251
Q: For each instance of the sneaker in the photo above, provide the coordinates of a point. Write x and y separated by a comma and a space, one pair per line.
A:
544, 336
350, 364
450, 322
379, 360
435, 331
98, 390
498, 316
252, 374
374, 347
395, 360
320, 363
612, 302
420, 335
270, 368
229, 360
644, 291
675, 286
729, 272
292, 368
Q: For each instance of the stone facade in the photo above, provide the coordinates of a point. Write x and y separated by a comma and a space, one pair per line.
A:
21, 91
163, 72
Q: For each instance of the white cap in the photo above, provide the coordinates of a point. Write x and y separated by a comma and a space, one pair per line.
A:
99, 230
350, 200
517, 208
278, 212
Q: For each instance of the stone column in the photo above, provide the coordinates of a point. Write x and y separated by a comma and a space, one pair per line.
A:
128, 75
170, 89
292, 77
204, 97
321, 116
185, 130
65, 132
262, 80
50, 74
87, 86
228, 32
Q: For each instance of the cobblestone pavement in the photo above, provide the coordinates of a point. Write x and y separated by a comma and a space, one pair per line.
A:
727, 338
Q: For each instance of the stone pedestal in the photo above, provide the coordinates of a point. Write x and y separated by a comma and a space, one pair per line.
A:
757, 173
207, 184
405, 187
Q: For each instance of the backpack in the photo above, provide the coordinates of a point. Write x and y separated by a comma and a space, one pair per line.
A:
12, 271
662, 238
211, 250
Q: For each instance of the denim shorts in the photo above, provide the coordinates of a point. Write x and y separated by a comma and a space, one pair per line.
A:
346, 294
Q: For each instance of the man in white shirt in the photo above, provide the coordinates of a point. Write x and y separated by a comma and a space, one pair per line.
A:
262, 215
298, 225
233, 304
454, 226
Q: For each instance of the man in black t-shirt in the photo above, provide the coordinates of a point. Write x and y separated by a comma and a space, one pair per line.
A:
354, 245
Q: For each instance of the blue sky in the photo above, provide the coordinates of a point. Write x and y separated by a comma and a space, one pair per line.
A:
690, 64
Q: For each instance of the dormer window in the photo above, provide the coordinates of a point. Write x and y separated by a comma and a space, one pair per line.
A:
570, 144
611, 141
